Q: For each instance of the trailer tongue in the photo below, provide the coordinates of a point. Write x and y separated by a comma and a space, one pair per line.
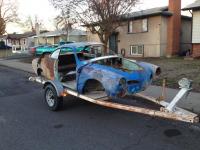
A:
167, 110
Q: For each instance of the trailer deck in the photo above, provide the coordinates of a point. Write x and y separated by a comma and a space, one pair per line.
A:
166, 110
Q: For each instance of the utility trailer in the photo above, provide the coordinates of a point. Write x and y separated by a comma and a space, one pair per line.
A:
55, 91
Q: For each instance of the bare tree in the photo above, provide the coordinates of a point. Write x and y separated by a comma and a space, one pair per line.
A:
102, 17
65, 22
29, 23
8, 13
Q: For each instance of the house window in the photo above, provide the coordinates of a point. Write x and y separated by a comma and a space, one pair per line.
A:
137, 50
138, 26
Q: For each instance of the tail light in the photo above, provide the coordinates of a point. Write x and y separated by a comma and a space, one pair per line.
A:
32, 50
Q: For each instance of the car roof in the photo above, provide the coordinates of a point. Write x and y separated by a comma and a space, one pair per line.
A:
80, 44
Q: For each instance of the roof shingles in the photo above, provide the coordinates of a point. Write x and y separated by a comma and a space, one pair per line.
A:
149, 12
195, 5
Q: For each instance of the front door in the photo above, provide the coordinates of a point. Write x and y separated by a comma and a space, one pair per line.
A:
113, 46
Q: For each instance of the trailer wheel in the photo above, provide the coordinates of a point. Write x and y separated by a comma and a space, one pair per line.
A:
53, 101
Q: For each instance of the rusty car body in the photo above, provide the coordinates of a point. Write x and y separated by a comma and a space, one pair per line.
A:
88, 70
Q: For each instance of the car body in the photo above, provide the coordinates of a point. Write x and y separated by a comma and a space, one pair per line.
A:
85, 68
46, 49
32, 50
42, 49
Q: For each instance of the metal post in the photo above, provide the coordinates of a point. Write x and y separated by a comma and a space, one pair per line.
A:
185, 86
176, 99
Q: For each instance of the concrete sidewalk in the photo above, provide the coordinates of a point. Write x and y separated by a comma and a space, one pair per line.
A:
15, 63
192, 103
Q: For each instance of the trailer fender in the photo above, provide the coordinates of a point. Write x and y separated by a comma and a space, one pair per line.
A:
57, 85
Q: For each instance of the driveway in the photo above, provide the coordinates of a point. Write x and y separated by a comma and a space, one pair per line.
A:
26, 123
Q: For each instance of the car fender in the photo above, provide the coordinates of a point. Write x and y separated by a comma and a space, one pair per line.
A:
57, 85
109, 80
156, 70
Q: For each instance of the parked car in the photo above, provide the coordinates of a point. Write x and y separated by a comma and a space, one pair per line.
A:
43, 49
32, 50
5, 47
84, 68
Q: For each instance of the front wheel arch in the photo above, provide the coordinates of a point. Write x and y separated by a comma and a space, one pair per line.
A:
92, 85
57, 85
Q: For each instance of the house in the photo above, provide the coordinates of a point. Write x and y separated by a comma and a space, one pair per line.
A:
54, 37
155, 32
18, 41
195, 7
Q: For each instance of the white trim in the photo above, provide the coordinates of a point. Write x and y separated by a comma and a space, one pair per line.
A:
137, 50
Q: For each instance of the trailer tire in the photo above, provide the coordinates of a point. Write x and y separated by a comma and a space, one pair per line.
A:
54, 102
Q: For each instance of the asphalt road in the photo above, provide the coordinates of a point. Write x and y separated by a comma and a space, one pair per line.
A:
27, 124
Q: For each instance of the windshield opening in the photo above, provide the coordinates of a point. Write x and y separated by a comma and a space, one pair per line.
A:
120, 63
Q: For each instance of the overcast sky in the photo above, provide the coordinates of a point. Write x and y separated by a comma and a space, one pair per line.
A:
45, 11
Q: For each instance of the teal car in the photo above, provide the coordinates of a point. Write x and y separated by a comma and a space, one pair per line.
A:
44, 49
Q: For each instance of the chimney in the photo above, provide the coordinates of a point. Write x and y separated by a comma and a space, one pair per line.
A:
174, 28
37, 28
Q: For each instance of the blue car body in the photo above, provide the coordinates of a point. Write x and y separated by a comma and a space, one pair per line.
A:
110, 79
116, 82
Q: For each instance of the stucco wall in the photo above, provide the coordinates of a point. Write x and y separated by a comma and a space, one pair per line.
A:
154, 41
196, 27
150, 39
56, 39
79, 38
50, 40
163, 36
39, 41
92, 37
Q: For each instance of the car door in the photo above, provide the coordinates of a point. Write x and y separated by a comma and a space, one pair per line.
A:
49, 65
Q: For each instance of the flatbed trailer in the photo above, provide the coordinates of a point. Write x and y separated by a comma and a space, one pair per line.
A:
166, 110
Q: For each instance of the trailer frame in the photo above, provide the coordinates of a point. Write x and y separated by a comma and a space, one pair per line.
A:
167, 110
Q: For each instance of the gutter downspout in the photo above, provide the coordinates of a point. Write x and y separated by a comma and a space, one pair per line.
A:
191, 12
